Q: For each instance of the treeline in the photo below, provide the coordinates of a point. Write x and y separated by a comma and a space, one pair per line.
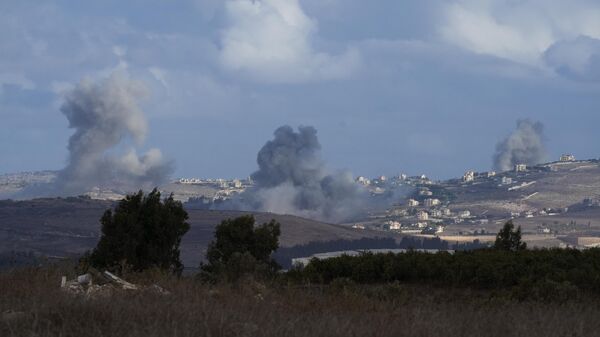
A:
541, 271
284, 255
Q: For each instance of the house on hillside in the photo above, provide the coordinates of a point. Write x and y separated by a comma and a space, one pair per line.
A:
567, 158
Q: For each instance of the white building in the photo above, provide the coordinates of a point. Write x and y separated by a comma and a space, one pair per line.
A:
436, 213
567, 158
469, 176
520, 168
432, 202
363, 181
413, 203
394, 225
507, 181
464, 214
491, 174
422, 216
425, 192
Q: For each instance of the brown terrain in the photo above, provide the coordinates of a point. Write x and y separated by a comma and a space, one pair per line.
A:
70, 226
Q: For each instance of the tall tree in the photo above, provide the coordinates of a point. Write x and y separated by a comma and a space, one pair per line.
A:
509, 239
143, 232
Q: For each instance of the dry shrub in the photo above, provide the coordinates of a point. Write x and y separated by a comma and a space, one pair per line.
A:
251, 308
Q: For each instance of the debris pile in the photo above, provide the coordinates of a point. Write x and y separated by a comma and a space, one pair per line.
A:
95, 284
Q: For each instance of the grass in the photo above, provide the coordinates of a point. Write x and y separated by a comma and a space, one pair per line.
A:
254, 309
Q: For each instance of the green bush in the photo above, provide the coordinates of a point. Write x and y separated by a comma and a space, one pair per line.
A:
143, 232
241, 248
541, 272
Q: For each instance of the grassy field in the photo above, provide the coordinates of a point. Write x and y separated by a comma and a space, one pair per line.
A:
40, 308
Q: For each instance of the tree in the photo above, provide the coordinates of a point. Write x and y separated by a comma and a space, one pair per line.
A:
143, 232
509, 239
240, 248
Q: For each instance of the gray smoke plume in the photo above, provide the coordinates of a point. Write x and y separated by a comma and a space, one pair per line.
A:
525, 145
106, 117
292, 179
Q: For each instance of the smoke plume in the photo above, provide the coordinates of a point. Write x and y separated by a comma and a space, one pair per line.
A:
525, 145
107, 120
292, 179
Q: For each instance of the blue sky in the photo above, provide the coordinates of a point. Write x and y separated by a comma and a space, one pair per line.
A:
391, 86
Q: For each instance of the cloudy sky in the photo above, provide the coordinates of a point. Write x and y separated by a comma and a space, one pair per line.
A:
423, 86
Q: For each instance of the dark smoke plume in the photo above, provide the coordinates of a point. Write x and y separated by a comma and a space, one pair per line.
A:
292, 179
525, 145
106, 117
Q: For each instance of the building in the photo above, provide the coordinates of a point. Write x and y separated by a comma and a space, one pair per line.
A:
425, 192
190, 181
464, 214
413, 203
432, 230
491, 174
432, 202
394, 225
567, 158
363, 181
520, 168
436, 213
507, 181
469, 176
422, 216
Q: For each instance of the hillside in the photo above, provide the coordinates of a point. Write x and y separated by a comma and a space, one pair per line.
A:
63, 227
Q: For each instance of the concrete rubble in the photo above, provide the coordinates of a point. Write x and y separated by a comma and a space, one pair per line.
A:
95, 284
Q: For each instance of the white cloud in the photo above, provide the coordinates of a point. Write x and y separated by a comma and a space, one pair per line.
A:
271, 40
577, 59
519, 31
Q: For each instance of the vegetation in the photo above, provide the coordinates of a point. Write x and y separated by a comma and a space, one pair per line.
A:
250, 309
143, 232
468, 293
241, 248
527, 273
509, 239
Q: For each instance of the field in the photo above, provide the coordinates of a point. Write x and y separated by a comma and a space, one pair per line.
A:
40, 308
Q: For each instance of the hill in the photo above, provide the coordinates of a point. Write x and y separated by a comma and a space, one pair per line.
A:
70, 226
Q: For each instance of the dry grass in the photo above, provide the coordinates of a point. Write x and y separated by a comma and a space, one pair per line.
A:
250, 309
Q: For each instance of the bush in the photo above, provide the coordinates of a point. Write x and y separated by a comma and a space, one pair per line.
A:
539, 273
143, 232
241, 248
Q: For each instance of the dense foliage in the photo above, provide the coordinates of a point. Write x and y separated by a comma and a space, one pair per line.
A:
143, 232
241, 248
509, 239
526, 270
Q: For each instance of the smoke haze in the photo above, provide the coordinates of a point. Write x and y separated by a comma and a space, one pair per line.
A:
524, 145
107, 119
292, 179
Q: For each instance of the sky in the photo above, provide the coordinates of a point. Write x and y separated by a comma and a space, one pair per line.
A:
421, 87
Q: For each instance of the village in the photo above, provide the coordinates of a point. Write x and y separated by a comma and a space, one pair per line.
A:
448, 208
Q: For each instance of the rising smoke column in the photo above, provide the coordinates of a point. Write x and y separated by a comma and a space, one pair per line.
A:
292, 179
106, 117
525, 145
